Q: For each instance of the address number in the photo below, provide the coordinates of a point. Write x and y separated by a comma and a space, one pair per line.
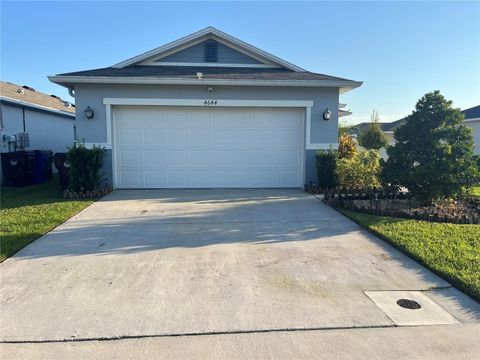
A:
210, 102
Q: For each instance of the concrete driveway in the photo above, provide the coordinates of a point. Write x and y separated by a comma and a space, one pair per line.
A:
146, 263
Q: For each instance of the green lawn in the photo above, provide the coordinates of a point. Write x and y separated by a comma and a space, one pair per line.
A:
28, 213
452, 251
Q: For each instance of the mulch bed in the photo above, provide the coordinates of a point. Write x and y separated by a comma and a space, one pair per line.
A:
387, 202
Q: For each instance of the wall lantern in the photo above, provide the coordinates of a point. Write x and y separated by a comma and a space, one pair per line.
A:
326, 114
89, 113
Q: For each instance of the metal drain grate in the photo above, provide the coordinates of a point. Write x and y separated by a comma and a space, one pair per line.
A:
409, 304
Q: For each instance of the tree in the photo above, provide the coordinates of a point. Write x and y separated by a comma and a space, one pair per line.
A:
373, 137
362, 170
433, 156
346, 146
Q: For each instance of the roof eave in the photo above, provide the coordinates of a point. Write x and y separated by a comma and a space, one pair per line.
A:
344, 85
16, 102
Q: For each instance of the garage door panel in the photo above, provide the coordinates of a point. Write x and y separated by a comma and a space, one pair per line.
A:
154, 158
208, 147
176, 157
155, 178
130, 157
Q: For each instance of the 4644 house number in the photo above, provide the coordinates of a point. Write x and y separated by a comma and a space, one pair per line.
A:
210, 102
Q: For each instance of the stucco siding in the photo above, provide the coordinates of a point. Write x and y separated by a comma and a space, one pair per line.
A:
95, 130
475, 126
195, 54
46, 130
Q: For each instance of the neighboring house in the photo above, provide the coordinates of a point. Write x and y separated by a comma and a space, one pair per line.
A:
207, 111
48, 120
472, 120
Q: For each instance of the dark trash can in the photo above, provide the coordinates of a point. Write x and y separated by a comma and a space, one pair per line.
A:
60, 160
18, 168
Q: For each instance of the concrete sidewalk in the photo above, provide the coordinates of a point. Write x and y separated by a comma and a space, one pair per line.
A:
452, 342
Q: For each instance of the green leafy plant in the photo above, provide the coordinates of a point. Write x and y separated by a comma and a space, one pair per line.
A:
85, 165
326, 168
347, 146
433, 155
362, 170
373, 137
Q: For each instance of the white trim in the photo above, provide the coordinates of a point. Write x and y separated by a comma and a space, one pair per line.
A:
229, 65
342, 84
107, 146
36, 106
201, 102
108, 110
471, 119
205, 33
308, 122
322, 146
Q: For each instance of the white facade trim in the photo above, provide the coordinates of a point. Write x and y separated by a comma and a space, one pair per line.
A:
204, 34
230, 65
208, 102
470, 120
107, 146
343, 85
322, 146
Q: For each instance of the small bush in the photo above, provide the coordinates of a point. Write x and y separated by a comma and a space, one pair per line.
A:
362, 170
85, 165
326, 168
346, 146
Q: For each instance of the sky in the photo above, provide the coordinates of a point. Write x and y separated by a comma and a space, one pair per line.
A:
400, 50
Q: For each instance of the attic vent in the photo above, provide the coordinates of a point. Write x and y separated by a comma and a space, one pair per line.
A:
28, 88
211, 51
67, 104
21, 91
55, 97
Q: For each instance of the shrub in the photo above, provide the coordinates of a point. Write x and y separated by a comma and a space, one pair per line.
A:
362, 170
85, 165
346, 146
326, 168
433, 155
373, 137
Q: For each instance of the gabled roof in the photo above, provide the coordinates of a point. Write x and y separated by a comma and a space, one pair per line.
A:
144, 69
27, 96
199, 36
472, 113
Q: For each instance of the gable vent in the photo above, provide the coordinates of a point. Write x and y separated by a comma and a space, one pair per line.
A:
211, 51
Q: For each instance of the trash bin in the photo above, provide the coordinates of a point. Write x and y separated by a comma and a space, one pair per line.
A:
18, 168
59, 160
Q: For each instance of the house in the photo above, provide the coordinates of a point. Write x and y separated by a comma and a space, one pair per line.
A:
48, 120
207, 111
472, 121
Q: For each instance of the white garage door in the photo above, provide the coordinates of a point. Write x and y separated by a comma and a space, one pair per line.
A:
192, 147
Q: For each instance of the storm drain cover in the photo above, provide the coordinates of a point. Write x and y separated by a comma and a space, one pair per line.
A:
397, 305
408, 304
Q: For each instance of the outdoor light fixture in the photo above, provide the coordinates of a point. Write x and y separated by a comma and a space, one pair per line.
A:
326, 114
89, 113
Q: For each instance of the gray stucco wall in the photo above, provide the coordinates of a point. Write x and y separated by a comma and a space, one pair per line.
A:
94, 131
195, 54
46, 130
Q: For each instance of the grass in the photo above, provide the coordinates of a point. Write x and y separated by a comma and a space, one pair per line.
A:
451, 251
30, 212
